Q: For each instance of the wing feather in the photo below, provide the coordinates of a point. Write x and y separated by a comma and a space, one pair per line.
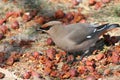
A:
79, 32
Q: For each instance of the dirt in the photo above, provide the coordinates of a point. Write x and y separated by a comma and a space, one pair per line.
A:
28, 47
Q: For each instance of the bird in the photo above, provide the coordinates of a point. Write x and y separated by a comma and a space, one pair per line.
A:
75, 37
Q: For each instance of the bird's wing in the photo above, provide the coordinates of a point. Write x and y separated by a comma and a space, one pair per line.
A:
79, 32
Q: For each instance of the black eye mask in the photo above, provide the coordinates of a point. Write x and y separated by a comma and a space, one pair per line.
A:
43, 29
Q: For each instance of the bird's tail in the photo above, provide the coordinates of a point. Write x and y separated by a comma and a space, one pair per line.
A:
100, 30
107, 27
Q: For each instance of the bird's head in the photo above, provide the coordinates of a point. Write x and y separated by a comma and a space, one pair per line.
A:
50, 26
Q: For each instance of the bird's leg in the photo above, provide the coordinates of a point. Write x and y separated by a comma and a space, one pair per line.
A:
85, 54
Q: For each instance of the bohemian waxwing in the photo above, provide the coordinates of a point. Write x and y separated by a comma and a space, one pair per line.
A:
76, 37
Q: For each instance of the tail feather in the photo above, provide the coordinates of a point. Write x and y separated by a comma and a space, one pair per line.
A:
100, 30
107, 26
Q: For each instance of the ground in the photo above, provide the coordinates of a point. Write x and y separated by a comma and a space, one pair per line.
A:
29, 54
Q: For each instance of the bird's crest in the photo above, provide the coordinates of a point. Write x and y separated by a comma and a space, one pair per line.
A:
51, 23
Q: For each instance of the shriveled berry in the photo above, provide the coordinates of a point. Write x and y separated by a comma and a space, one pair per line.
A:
36, 54
99, 56
105, 1
39, 19
51, 53
73, 72
26, 17
8, 14
59, 14
69, 16
2, 75
15, 25
10, 61
4, 28
98, 5
92, 2
49, 41
91, 78
1, 36
26, 75
2, 21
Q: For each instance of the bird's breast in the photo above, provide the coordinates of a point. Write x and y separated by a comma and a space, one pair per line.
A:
64, 43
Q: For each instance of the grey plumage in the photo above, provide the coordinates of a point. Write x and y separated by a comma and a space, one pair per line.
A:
76, 37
